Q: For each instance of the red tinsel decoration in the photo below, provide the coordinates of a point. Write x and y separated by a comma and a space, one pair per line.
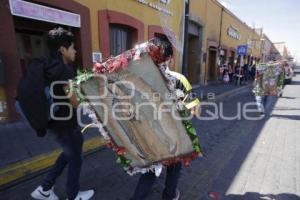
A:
187, 161
99, 68
156, 53
110, 144
120, 151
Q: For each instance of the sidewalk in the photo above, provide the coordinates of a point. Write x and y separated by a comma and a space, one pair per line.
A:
18, 142
23, 153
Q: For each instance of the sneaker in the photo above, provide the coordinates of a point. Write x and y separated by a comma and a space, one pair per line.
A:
177, 195
84, 195
40, 194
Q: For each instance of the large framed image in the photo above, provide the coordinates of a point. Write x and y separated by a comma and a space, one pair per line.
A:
139, 116
269, 79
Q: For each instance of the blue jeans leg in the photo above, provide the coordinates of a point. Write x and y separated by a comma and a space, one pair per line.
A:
54, 172
71, 143
144, 186
265, 100
173, 175
147, 180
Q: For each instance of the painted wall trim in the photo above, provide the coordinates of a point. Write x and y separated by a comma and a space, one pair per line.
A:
106, 17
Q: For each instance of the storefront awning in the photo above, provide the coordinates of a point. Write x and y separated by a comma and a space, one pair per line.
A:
43, 13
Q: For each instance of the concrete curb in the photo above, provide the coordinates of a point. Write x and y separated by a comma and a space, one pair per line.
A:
20, 170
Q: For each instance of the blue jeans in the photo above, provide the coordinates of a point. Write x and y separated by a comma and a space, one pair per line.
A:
71, 142
265, 100
147, 180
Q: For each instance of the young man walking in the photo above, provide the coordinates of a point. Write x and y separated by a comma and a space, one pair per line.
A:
64, 122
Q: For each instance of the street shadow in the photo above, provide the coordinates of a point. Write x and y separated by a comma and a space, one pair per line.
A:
295, 83
283, 108
229, 175
296, 72
257, 196
288, 97
290, 117
211, 91
242, 147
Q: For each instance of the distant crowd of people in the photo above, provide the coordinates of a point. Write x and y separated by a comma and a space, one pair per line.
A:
238, 73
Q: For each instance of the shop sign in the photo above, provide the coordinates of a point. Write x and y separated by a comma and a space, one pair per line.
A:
38, 12
157, 6
165, 1
234, 33
242, 50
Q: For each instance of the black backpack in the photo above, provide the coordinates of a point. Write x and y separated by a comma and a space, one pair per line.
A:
31, 96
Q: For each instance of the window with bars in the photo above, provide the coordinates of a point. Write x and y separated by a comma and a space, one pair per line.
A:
121, 38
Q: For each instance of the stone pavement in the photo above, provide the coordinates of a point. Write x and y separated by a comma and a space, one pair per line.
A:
266, 164
216, 89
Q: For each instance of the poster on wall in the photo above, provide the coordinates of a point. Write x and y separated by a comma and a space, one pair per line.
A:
97, 57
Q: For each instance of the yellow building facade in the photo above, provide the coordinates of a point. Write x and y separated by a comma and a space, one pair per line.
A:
102, 28
223, 32
144, 19
109, 27
207, 14
235, 33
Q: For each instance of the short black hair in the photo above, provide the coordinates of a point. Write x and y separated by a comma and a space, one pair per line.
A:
165, 44
58, 37
168, 49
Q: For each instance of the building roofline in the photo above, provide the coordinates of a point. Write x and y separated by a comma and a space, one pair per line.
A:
278, 42
233, 15
267, 37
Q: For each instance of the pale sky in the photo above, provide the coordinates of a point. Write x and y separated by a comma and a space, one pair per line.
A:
280, 19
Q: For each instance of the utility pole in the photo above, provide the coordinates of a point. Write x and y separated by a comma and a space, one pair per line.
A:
221, 26
185, 36
219, 63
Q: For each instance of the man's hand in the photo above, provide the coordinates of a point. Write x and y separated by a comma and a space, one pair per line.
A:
72, 97
196, 110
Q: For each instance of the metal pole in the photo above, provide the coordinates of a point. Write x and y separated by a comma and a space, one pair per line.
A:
219, 47
239, 79
185, 41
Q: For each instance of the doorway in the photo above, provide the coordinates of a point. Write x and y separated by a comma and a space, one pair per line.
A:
193, 59
212, 63
31, 39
